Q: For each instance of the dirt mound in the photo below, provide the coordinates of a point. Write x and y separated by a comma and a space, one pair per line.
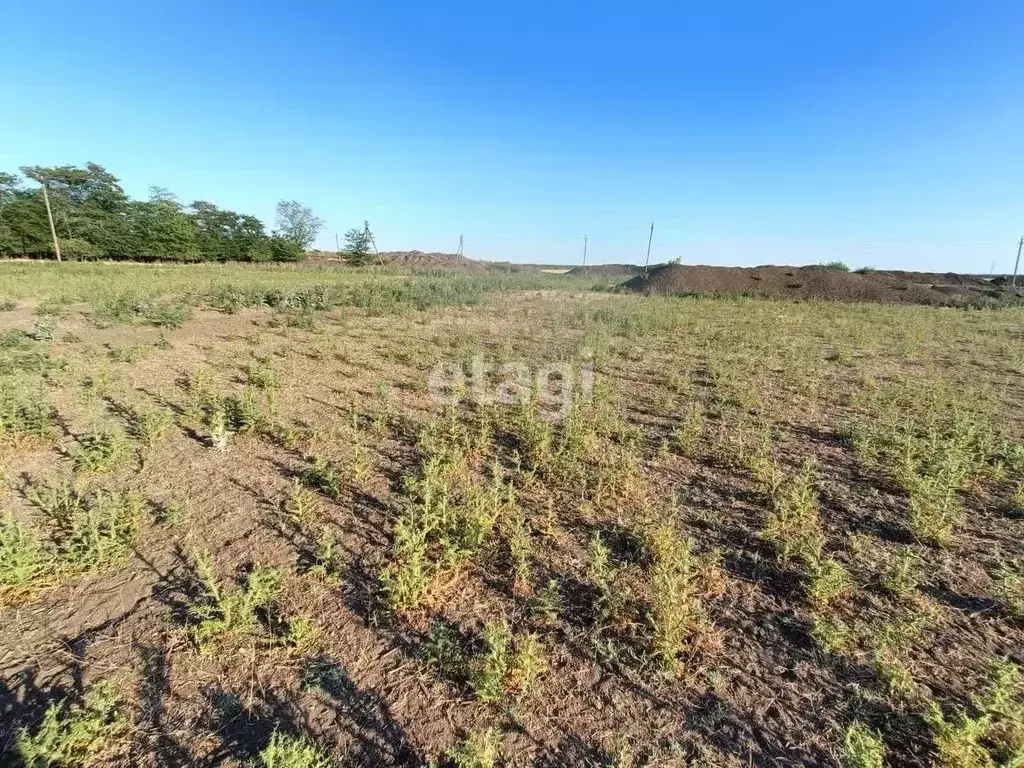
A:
814, 283
607, 270
420, 259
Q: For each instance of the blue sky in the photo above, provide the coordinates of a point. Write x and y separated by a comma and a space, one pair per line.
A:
878, 133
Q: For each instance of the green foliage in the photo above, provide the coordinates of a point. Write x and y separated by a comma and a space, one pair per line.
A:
25, 418
988, 734
357, 245
688, 431
96, 219
150, 425
931, 449
101, 532
678, 616
505, 662
75, 734
478, 750
297, 224
862, 747
285, 751
904, 572
135, 307
793, 525
1009, 590
230, 614
828, 579
603, 575
323, 476
101, 452
831, 636
834, 266
23, 557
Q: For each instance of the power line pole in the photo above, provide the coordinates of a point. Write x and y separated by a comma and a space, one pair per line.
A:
460, 254
650, 238
49, 215
584, 253
369, 233
1020, 245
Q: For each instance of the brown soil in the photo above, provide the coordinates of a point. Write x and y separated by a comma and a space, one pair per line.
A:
766, 697
608, 270
815, 283
408, 259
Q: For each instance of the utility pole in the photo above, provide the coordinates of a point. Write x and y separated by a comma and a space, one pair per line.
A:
650, 238
369, 233
53, 229
460, 253
337, 245
1013, 283
584, 253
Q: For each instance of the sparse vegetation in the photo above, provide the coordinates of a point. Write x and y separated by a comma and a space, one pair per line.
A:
794, 518
76, 734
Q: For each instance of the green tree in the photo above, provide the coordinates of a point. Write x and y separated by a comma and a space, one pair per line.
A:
8, 193
282, 249
223, 235
357, 245
88, 204
161, 230
297, 222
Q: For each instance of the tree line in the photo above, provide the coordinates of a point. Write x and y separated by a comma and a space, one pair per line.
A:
95, 219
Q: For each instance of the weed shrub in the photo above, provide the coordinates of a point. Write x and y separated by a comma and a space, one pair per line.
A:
679, 582
129, 307
447, 519
988, 734
103, 452
505, 663
82, 533
931, 452
23, 557
793, 525
478, 750
230, 614
25, 418
76, 734
862, 747
285, 751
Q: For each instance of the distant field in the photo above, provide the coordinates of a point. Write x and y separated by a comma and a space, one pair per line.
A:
299, 516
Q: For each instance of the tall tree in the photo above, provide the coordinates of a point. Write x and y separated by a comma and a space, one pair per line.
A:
297, 222
161, 230
88, 204
357, 245
8, 191
223, 235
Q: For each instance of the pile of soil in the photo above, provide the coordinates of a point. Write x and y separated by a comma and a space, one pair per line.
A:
419, 259
406, 259
607, 270
816, 283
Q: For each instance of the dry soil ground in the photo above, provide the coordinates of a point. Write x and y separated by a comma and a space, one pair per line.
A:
772, 533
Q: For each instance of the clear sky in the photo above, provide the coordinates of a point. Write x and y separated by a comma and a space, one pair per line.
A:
878, 133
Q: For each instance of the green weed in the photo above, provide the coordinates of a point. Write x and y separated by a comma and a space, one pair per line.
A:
862, 747
76, 734
678, 616
478, 750
101, 452
230, 614
793, 525
285, 751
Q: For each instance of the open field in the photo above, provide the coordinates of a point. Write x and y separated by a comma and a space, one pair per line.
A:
278, 516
